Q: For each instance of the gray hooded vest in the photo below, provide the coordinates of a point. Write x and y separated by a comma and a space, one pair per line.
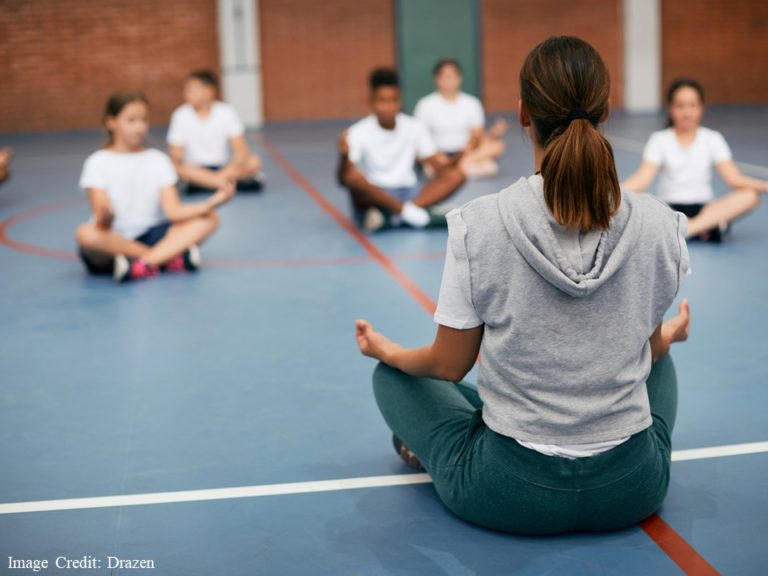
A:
568, 314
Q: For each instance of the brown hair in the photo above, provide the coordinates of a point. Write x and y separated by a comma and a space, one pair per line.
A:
564, 88
116, 103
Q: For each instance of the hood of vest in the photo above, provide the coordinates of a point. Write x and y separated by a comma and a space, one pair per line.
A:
529, 224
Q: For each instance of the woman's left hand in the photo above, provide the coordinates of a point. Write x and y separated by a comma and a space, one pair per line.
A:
372, 343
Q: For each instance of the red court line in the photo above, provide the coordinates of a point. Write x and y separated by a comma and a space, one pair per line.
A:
6, 240
28, 215
663, 535
409, 285
681, 553
341, 261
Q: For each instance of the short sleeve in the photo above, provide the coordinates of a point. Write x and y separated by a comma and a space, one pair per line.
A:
166, 173
454, 309
653, 152
93, 174
477, 119
420, 112
355, 142
425, 146
720, 149
234, 127
684, 267
175, 135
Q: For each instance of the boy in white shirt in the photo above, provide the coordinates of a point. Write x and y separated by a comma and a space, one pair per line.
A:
377, 158
456, 121
200, 137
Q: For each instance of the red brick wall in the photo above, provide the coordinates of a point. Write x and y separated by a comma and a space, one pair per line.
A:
511, 28
60, 59
722, 44
316, 55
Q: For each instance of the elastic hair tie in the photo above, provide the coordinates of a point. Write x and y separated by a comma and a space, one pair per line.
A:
577, 114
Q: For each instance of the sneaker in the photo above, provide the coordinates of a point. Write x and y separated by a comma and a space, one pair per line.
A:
192, 258
189, 261
415, 216
253, 184
132, 269
406, 454
725, 230
374, 220
121, 268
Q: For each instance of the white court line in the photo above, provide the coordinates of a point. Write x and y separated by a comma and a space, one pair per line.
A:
718, 451
215, 494
629, 145
305, 487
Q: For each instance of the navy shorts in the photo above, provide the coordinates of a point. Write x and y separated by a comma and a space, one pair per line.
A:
104, 264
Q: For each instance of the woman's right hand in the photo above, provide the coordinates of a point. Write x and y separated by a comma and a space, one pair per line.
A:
372, 343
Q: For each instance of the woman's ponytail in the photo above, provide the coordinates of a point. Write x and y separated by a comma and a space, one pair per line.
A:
564, 90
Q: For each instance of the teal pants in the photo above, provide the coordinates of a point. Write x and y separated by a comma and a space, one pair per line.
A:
491, 480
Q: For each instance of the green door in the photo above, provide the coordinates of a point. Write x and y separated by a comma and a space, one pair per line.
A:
428, 30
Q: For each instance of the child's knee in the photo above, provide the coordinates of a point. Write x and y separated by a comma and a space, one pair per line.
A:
87, 235
213, 221
254, 163
455, 176
754, 199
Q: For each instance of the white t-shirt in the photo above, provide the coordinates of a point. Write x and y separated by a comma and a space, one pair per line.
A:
133, 182
386, 157
205, 140
450, 122
685, 175
454, 310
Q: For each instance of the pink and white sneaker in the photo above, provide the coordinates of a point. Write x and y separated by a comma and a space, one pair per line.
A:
132, 269
189, 261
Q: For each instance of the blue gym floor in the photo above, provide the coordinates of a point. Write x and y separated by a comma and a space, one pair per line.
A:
247, 375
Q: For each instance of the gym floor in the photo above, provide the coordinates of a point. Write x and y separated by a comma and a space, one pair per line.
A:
223, 422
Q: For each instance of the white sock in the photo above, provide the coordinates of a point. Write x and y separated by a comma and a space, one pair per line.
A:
414, 216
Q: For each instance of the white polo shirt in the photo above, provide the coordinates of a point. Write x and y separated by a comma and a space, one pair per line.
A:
133, 182
205, 140
685, 175
386, 157
450, 122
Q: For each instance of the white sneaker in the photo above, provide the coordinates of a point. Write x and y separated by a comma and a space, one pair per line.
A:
414, 216
192, 257
373, 220
121, 268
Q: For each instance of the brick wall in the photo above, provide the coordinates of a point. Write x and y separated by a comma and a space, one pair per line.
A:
60, 59
316, 55
511, 28
722, 44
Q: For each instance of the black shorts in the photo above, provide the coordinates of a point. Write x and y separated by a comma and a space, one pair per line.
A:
690, 210
102, 264
248, 185
714, 235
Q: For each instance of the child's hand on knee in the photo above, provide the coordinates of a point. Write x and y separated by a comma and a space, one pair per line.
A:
223, 195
